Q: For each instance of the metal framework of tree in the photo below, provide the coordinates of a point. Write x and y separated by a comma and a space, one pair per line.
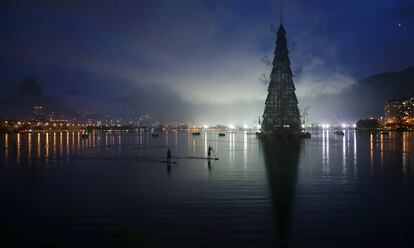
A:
281, 107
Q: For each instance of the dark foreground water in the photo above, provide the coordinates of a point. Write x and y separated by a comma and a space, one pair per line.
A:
115, 190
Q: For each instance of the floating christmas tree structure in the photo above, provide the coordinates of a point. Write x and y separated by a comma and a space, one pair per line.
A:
281, 114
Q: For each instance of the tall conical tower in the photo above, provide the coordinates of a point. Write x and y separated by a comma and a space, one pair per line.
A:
281, 111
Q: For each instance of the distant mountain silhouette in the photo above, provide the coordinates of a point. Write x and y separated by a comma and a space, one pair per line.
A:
29, 88
372, 93
390, 85
366, 97
161, 104
28, 95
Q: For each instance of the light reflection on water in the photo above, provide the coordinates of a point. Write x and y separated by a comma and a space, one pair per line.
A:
47, 146
355, 155
29, 145
344, 154
61, 145
404, 152
381, 148
325, 152
371, 148
259, 193
18, 148
245, 147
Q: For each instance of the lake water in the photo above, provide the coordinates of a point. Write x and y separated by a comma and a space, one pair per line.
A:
116, 190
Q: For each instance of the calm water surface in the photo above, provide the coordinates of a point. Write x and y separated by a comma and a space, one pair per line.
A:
115, 190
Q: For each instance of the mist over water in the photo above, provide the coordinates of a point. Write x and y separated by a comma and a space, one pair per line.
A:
117, 189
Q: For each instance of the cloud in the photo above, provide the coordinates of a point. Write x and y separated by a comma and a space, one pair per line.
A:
232, 76
192, 54
319, 78
160, 103
204, 55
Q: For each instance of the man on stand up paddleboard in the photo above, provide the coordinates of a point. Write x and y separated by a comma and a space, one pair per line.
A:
209, 150
168, 155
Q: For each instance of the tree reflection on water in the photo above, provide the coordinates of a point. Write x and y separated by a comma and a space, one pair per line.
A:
282, 159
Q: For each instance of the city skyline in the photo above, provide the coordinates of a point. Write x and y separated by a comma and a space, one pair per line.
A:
200, 56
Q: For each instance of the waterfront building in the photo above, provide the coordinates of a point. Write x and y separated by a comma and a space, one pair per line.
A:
38, 113
409, 108
399, 111
281, 107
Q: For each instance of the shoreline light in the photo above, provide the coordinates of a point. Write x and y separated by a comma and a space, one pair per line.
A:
325, 126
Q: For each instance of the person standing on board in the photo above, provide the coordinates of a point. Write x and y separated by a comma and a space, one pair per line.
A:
168, 155
209, 150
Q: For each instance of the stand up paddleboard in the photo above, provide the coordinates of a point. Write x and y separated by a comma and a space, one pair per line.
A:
207, 158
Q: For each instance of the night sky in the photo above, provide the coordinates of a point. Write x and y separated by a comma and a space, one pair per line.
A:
203, 56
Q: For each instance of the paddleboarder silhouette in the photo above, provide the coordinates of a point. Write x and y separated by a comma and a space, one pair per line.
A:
168, 155
209, 150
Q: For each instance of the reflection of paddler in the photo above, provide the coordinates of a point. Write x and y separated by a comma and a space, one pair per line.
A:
168, 161
168, 169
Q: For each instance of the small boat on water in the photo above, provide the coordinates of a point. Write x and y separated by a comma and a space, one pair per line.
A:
306, 135
196, 133
385, 132
339, 132
222, 134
